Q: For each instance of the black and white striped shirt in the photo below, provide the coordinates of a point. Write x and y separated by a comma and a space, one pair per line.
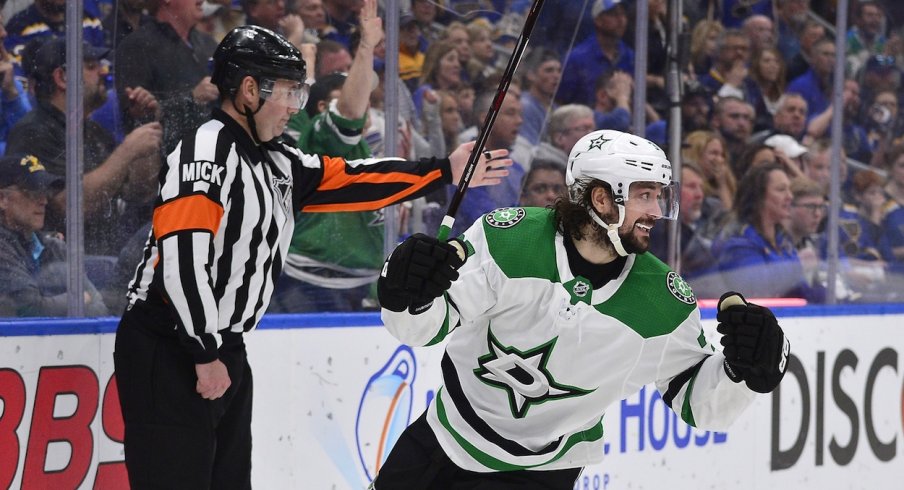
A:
224, 218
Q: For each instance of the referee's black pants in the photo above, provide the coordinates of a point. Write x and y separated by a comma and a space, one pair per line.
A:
418, 462
174, 439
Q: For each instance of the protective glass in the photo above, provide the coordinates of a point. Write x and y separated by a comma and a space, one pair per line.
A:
290, 94
655, 199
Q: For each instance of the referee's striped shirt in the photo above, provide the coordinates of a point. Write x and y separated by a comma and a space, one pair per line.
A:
224, 218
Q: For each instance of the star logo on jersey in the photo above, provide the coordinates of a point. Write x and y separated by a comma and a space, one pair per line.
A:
505, 217
523, 375
580, 290
597, 143
679, 288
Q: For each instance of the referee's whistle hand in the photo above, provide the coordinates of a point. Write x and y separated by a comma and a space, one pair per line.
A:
213, 379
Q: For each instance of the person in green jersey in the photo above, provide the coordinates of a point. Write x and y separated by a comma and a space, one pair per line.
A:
552, 315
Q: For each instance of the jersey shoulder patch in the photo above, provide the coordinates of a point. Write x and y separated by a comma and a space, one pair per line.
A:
522, 242
653, 300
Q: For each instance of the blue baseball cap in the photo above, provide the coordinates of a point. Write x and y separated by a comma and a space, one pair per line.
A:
600, 6
27, 173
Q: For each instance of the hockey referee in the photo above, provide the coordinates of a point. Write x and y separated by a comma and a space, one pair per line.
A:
222, 224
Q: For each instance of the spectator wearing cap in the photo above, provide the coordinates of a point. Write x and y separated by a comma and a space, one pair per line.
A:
127, 172
865, 38
167, 57
736, 13
45, 18
542, 72
696, 109
602, 52
32, 262
788, 152
880, 73
14, 103
425, 13
411, 54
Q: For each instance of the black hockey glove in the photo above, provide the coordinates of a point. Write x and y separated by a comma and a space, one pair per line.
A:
420, 269
755, 348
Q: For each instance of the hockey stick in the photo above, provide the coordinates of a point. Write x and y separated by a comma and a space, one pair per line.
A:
446, 226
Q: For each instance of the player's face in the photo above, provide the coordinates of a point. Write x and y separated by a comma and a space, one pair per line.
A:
641, 211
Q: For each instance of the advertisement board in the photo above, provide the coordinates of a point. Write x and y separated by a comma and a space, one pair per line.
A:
333, 393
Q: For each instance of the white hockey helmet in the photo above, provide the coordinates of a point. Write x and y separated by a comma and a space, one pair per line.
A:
619, 159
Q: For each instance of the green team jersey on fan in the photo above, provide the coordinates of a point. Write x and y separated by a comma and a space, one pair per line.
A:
336, 250
535, 355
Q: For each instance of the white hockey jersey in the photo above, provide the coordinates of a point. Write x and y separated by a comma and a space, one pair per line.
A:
535, 355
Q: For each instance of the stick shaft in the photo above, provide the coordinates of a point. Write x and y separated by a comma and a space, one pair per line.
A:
531, 19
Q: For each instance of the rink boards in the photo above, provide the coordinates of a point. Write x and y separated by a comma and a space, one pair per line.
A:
332, 393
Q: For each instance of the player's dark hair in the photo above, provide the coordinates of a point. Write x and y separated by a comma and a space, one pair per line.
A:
571, 217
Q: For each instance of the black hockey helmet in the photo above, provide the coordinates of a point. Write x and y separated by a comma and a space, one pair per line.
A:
257, 52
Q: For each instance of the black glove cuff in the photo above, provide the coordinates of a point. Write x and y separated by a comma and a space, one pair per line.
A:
733, 373
391, 299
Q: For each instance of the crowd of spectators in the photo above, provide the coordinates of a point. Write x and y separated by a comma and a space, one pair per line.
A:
756, 111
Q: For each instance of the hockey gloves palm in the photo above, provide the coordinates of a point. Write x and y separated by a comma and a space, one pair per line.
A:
755, 348
420, 269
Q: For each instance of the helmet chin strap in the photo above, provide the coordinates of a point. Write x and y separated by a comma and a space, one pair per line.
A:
249, 116
612, 230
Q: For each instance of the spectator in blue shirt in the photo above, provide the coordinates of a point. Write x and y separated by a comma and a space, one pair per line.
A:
754, 253
46, 18
612, 99
816, 84
544, 70
600, 53
792, 15
14, 102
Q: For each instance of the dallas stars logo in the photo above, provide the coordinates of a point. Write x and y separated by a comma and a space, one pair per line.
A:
505, 217
523, 375
597, 143
679, 288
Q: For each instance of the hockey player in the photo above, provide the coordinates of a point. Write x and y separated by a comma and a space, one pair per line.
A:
554, 315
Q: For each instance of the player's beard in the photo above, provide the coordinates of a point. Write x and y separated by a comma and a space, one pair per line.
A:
632, 243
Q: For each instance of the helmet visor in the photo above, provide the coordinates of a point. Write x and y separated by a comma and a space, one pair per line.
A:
288, 93
655, 199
